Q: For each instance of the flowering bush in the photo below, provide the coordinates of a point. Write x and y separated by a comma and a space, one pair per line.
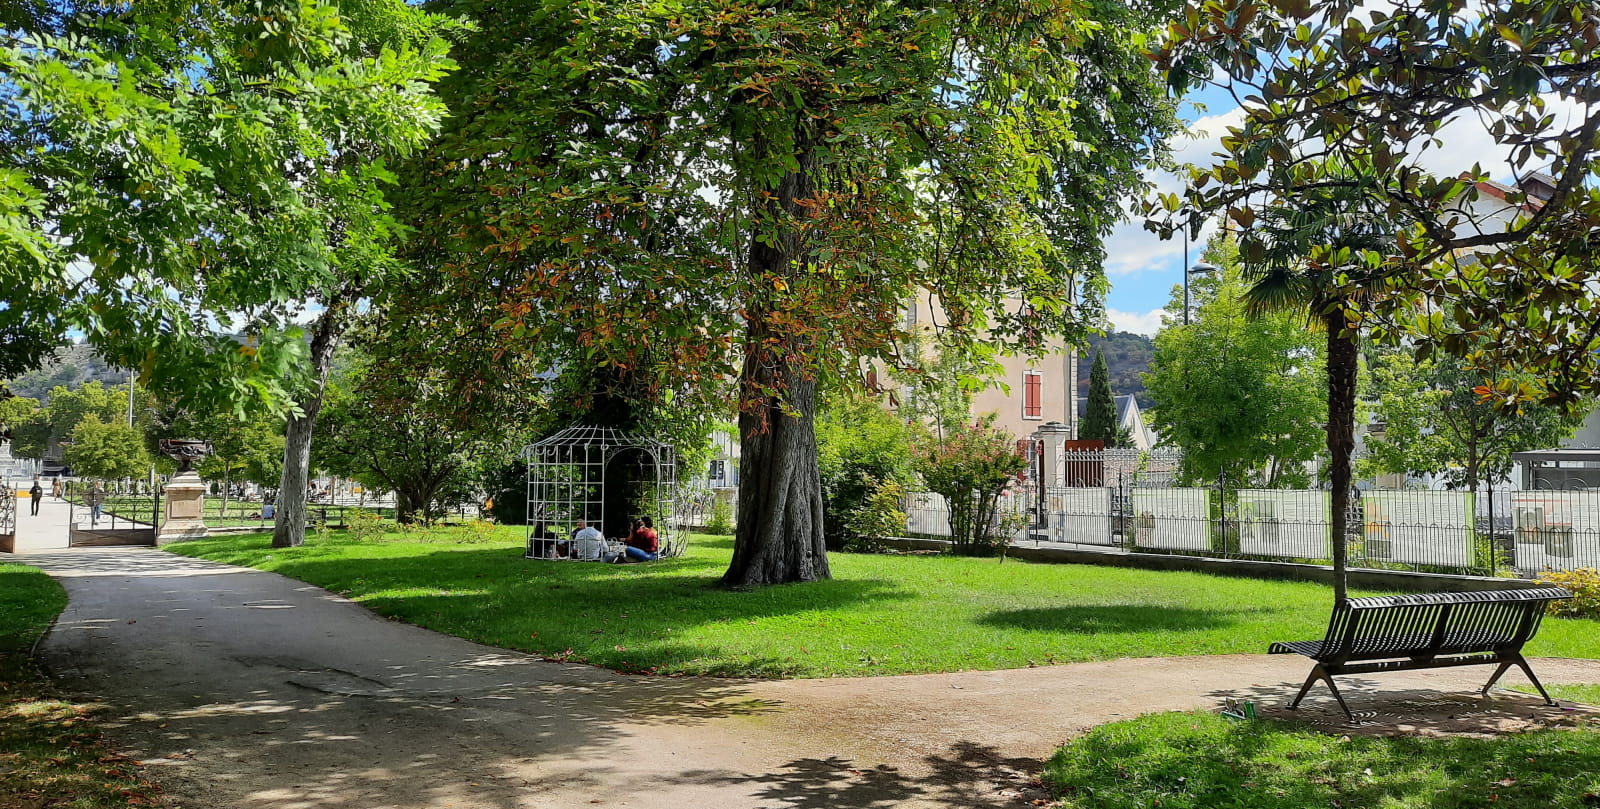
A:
970, 468
1584, 584
473, 531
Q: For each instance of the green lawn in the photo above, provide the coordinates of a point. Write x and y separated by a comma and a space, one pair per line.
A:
1585, 693
50, 753
879, 615
1202, 761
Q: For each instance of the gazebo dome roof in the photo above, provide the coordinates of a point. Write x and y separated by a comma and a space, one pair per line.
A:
579, 435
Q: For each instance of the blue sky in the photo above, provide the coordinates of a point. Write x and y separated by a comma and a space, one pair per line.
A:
1142, 267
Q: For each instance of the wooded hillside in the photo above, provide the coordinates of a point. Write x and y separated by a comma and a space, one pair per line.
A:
1127, 356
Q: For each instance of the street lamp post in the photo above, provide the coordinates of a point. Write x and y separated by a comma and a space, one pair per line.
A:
1200, 268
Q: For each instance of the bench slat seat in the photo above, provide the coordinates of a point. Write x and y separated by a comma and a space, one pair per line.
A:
1433, 630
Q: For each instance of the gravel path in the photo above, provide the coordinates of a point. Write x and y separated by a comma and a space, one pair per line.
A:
248, 690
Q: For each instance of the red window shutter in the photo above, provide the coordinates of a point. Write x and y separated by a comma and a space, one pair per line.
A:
1030, 396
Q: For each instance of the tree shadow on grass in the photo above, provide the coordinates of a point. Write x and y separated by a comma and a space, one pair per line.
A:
1113, 618
633, 618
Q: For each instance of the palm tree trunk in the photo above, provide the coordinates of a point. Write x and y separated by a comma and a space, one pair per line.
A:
1342, 365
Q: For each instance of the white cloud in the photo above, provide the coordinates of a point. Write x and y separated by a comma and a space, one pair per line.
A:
1466, 140
1204, 138
1132, 249
1147, 323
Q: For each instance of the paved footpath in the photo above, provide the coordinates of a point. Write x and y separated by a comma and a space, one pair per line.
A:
246, 689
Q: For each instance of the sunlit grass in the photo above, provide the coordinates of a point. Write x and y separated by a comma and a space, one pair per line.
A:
880, 614
1202, 761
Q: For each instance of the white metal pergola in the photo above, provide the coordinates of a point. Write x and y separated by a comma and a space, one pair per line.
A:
567, 482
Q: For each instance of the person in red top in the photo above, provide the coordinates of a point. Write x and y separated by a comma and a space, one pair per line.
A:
644, 545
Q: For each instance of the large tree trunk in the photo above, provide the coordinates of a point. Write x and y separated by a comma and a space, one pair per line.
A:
289, 530
779, 538
1342, 366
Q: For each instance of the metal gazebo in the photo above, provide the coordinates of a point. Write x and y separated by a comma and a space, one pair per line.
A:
567, 482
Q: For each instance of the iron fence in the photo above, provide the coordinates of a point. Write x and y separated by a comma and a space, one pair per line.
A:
928, 515
8, 510
1121, 500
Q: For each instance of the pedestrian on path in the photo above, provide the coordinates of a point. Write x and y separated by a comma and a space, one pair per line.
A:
55, 488
35, 494
97, 498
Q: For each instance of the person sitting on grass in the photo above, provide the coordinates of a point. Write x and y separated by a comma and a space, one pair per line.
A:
589, 546
644, 545
584, 535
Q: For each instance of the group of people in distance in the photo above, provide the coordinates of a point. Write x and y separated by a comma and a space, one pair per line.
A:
587, 544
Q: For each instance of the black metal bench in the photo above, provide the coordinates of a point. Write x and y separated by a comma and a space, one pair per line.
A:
1436, 630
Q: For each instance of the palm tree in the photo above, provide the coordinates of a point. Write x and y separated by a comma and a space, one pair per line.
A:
1308, 254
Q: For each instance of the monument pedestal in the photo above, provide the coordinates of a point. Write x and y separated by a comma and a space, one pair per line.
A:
185, 498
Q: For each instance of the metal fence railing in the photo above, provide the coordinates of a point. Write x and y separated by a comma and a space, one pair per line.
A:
120, 511
1141, 508
928, 515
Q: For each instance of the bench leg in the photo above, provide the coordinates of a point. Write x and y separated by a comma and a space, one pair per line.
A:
1522, 663
1320, 673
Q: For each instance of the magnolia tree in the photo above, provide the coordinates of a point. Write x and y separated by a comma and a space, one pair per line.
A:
971, 468
1335, 183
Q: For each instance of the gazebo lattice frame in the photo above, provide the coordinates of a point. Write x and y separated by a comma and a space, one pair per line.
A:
566, 482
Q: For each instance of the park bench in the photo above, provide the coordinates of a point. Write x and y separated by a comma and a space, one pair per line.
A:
1434, 630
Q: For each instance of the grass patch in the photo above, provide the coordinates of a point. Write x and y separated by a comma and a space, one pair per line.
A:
50, 753
879, 615
1583, 693
1202, 761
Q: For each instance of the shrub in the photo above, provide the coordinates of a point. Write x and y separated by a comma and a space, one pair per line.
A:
720, 522
476, 531
878, 517
362, 525
860, 447
1584, 584
971, 467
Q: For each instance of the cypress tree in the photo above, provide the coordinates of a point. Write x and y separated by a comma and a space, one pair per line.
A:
1100, 416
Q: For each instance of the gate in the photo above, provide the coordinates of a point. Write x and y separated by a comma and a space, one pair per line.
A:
8, 519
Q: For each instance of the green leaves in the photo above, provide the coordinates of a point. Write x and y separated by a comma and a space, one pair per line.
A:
1358, 109
203, 171
619, 163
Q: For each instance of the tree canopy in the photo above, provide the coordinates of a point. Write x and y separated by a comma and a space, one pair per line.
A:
170, 175
1436, 423
696, 192
1240, 394
1357, 100
106, 450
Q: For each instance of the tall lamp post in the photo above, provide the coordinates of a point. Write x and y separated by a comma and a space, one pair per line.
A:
1200, 268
